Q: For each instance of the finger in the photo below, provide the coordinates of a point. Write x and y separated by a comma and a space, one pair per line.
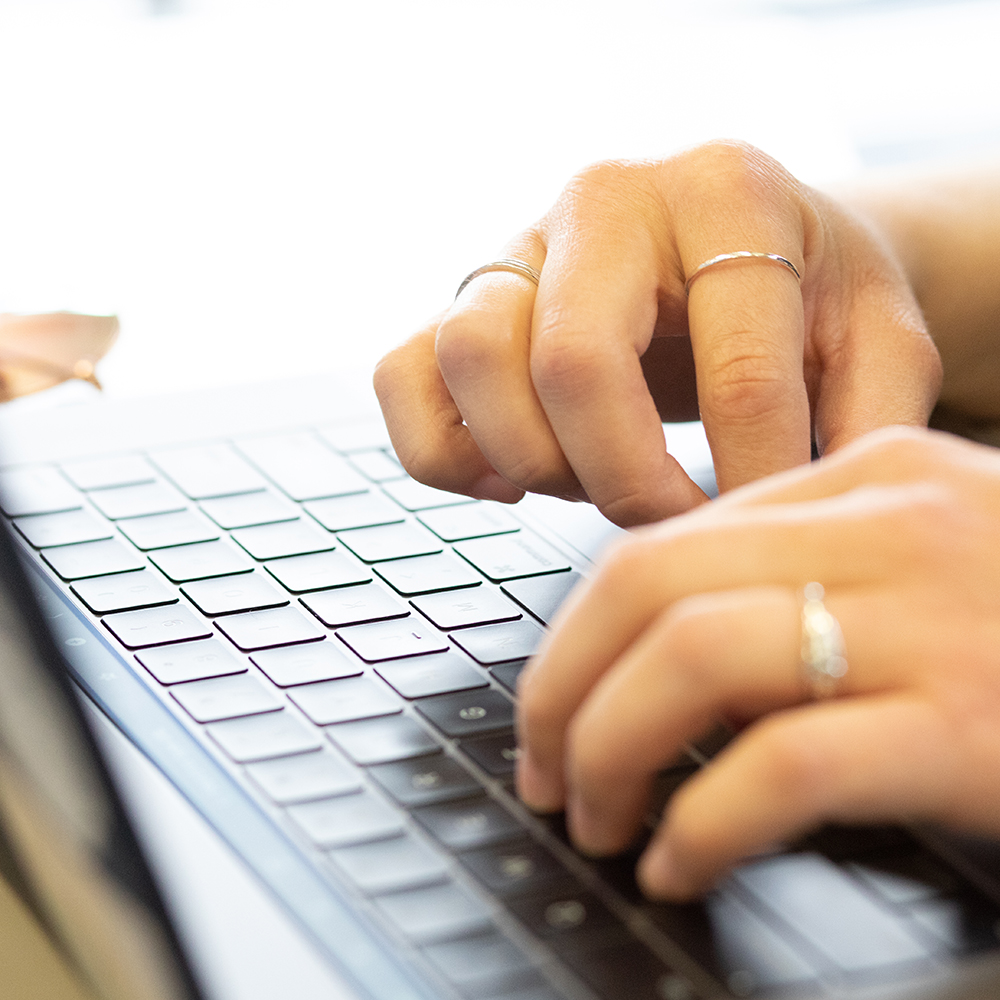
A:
874, 759
880, 367
715, 549
426, 428
482, 350
708, 655
594, 316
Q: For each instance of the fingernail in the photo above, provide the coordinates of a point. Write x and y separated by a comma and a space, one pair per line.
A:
493, 486
535, 788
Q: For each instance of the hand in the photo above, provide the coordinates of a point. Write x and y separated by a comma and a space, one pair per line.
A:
699, 618
561, 389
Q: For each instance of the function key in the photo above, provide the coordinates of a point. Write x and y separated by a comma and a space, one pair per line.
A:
208, 471
305, 663
67, 528
426, 574
477, 520
354, 606
391, 640
123, 592
486, 965
422, 676
390, 865
103, 473
462, 826
302, 466
359, 510
515, 867
161, 531
460, 715
264, 629
78, 562
225, 698
491, 644
318, 571
496, 754
137, 501
424, 780
377, 741
568, 919
347, 700
290, 538
246, 510
190, 661
439, 913
304, 777
390, 541
260, 737
37, 490
156, 626
200, 561
377, 466
506, 557
541, 596
224, 595
411, 495
348, 819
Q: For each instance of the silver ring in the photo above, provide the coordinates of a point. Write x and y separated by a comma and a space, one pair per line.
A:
504, 264
823, 662
739, 255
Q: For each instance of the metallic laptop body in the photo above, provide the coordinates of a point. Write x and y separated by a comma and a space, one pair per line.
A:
332, 692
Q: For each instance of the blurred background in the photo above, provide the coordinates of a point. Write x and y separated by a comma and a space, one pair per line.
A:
272, 187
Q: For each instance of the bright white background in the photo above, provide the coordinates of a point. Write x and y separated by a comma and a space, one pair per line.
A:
267, 188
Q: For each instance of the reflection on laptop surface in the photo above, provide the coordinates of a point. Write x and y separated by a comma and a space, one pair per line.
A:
321, 654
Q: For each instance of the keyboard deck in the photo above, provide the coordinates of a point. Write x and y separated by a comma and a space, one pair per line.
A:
346, 642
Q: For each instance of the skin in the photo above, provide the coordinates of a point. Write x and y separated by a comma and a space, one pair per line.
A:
515, 388
698, 618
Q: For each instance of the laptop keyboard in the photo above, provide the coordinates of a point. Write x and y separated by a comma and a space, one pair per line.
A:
346, 642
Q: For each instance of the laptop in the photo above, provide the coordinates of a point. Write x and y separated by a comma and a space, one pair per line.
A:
320, 656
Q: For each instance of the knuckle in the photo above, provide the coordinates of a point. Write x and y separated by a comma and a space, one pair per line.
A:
463, 345
729, 167
747, 386
565, 361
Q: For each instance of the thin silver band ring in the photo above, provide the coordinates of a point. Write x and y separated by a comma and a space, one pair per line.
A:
504, 264
823, 662
740, 255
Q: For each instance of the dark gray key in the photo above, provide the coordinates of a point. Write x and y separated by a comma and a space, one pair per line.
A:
411, 495
156, 626
487, 965
630, 970
224, 595
260, 737
474, 520
436, 914
264, 629
359, 510
68, 528
564, 916
301, 574
201, 561
849, 927
392, 640
306, 663
506, 557
514, 868
491, 644
390, 865
190, 661
123, 592
426, 574
496, 754
302, 465
354, 606
208, 471
304, 777
376, 741
438, 673
290, 538
137, 501
77, 562
481, 606
225, 698
470, 823
163, 530
508, 673
390, 541
377, 466
360, 435
468, 714
102, 473
37, 490
349, 819
425, 780
344, 700
248, 509
541, 596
